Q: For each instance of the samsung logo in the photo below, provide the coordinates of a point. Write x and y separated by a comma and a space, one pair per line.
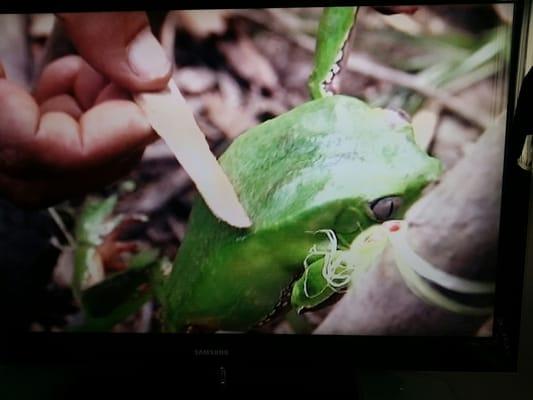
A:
211, 352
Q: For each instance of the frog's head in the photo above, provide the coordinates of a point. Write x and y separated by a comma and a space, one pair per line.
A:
377, 173
386, 168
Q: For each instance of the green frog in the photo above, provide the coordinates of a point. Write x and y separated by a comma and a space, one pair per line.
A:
332, 164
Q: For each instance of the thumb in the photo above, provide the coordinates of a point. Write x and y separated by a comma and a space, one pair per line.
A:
121, 46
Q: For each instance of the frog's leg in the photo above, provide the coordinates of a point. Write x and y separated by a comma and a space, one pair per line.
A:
331, 52
330, 270
311, 289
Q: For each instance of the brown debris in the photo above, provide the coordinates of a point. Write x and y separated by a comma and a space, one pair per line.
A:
203, 23
41, 25
194, 80
249, 63
231, 120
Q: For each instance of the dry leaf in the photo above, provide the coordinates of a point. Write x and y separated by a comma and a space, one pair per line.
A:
41, 25
425, 123
249, 63
194, 80
167, 35
230, 120
64, 269
203, 23
157, 151
258, 104
230, 90
178, 227
211, 132
403, 23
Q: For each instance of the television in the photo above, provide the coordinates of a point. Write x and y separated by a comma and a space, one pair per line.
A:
373, 148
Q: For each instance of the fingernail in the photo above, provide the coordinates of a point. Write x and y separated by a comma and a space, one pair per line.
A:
146, 56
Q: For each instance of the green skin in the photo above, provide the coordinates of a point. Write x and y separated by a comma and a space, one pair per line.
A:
318, 166
321, 165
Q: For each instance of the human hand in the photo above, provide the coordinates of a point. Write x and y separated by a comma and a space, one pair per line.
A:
79, 129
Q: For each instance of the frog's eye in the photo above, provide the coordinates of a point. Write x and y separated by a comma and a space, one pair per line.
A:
384, 207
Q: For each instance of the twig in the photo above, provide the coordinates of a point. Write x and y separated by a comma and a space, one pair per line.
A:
155, 195
57, 219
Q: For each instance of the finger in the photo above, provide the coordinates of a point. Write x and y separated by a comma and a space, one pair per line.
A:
121, 46
33, 146
113, 128
2, 72
57, 144
58, 78
19, 118
87, 85
70, 75
112, 92
110, 130
62, 103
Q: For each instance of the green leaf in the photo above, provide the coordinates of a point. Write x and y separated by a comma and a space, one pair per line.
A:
102, 299
92, 224
119, 314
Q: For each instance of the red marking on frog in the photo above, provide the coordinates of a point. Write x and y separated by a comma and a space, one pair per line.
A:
394, 227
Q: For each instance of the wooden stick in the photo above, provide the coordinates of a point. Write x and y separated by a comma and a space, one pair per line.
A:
174, 121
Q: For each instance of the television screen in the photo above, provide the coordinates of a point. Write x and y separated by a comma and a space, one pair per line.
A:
356, 189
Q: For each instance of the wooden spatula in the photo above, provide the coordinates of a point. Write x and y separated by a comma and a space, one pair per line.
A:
171, 117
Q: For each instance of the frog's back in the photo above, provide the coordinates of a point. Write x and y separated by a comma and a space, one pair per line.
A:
293, 174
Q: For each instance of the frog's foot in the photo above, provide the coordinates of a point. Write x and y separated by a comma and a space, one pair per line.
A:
330, 271
325, 274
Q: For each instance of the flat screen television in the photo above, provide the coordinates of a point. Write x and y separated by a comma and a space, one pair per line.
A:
372, 147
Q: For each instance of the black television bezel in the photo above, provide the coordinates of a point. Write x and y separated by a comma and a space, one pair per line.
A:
496, 353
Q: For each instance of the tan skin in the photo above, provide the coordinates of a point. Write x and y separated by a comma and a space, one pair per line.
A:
79, 130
